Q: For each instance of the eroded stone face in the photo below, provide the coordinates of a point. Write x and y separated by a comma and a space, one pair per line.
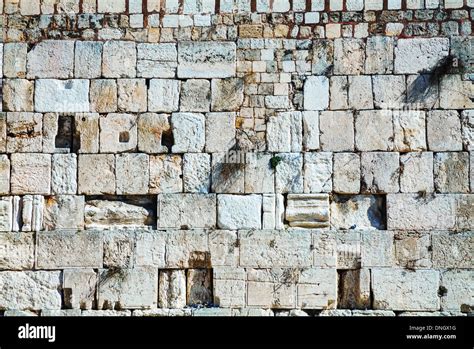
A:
51, 59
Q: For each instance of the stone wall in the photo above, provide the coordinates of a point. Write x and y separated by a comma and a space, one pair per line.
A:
248, 157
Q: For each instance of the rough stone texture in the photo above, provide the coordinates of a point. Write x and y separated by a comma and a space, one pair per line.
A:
451, 172
119, 59
346, 173
172, 292
316, 93
118, 133
165, 174
227, 94
24, 132
452, 250
30, 173
374, 131
151, 130
417, 172
64, 173
63, 212
18, 95
163, 95
18, 251
62, 95
458, 290
307, 211
336, 131
379, 172
443, 129
357, 212
88, 166
239, 212
132, 173
419, 55
186, 210
51, 59
100, 214
79, 287
188, 131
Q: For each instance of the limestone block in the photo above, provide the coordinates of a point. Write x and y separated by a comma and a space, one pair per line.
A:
227, 173
409, 130
58, 250
452, 250
195, 95
101, 214
355, 289
157, 60
455, 93
166, 174
63, 212
105, 6
30, 173
17, 252
28, 213
423, 91
79, 288
132, 173
317, 288
88, 59
346, 173
187, 249
310, 130
220, 132
379, 52
390, 287
196, 173
318, 172
259, 175
152, 130
206, 59
337, 131
416, 173
227, 94
443, 129
68, 96
275, 248
103, 95
348, 249
285, 132
413, 250
119, 248
458, 290
349, 56
14, 59
467, 121
172, 289
188, 132
6, 214
420, 55
239, 211
119, 59
307, 211
379, 172
224, 248
277, 102
199, 286
64, 174
357, 212
229, 287
377, 249
150, 248
186, 210
360, 92
51, 59
411, 212
88, 167
324, 249
316, 93
338, 92
132, 95
451, 172
18, 95
128, 288
24, 132
389, 91
163, 95
323, 56
118, 133
86, 128
30, 290
58, 132
288, 175
3, 132
4, 174
271, 288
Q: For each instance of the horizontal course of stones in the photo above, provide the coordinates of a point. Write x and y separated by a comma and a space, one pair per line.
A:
236, 158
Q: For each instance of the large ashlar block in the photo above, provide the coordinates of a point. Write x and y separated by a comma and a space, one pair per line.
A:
275, 248
318, 172
285, 132
324, 249
259, 175
220, 132
188, 132
86, 128
338, 91
451, 172
4, 174
89, 166
317, 288
3, 132
420, 55
377, 249
31, 173
195, 96
196, 173
172, 289
186, 211
455, 93
79, 288
239, 211
14, 59
374, 130
25, 132
228, 176
307, 210
57, 250
417, 173
30, 290
346, 173
51, 59
310, 130
453, 250
63, 212
102, 214
103, 95
409, 130
187, 249
132, 95
119, 248
163, 95
413, 250
118, 133
289, 173
128, 288
157, 60
17, 252
349, 56
467, 121
28, 213
224, 248
323, 56
227, 94
119, 59
272, 288
457, 286
206, 59
18, 95
66, 96
443, 129
64, 174
357, 212
336, 131
389, 91
132, 172
88, 59
166, 174
106, 6
380, 172
379, 55
199, 286
229, 287
316, 93
390, 287
152, 129
354, 289
360, 92
150, 248
423, 91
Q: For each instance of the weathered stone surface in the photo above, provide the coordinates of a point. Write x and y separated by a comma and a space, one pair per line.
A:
390, 288
206, 59
163, 95
157, 60
227, 94
420, 55
28, 213
324, 249
227, 173
223, 247
187, 249
323, 56
30, 290
18, 95
186, 211
374, 130
118, 133
199, 286
88, 181
457, 290
285, 132
467, 121
349, 56
288, 175
346, 173
389, 91
172, 291
166, 174
152, 129
88, 59
310, 130
132, 172
307, 211
6, 214
259, 175
14, 59
239, 211
103, 96
337, 131
196, 173
453, 250
409, 130
132, 95
188, 131
31, 173
455, 93
318, 172
3, 132
195, 95
128, 288
79, 288
360, 92
354, 289
451, 172
17, 252
4, 174
63, 212
416, 173
413, 250
317, 288
86, 135
119, 248
24, 132
271, 288
51, 59
101, 214
229, 287
379, 52
220, 132
377, 249
64, 173
357, 212
150, 248
443, 129
119, 59
316, 93
62, 95
380, 172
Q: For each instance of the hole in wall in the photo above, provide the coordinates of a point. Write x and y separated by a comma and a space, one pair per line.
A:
64, 136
